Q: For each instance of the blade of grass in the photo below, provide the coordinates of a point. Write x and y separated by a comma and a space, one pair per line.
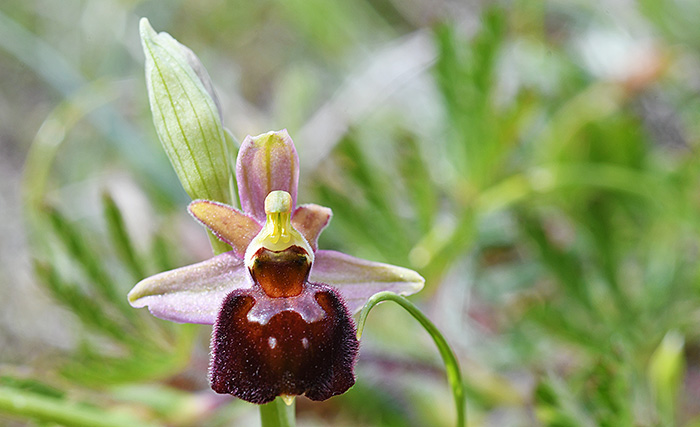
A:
91, 314
120, 238
419, 184
28, 405
88, 260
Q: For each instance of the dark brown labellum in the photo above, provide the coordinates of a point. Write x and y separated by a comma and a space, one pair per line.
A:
283, 354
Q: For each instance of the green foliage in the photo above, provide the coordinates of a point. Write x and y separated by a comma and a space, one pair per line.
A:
55, 410
550, 202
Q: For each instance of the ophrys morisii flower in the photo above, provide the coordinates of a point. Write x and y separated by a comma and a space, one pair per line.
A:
281, 308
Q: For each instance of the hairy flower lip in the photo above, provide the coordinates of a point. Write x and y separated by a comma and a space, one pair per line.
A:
277, 332
288, 354
280, 306
267, 307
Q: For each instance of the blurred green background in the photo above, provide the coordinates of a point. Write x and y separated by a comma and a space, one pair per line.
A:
535, 161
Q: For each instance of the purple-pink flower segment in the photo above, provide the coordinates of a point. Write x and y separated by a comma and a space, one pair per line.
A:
281, 308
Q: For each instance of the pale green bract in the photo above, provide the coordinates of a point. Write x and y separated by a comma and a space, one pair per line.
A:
186, 116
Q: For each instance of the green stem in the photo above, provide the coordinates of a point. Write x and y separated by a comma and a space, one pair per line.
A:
454, 376
277, 414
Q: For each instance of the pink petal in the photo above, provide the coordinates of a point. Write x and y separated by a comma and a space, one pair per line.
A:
192, 294
310, 220
358, 279
227, 223
266, 163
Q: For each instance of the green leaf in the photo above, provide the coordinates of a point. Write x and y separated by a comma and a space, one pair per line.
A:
415, 171
162, 252
466, 75
120, 237
92, 315
31, 385
88, 259
550, 409
28, 405
564, 265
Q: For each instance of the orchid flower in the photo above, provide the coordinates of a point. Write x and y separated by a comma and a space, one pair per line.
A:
281, 308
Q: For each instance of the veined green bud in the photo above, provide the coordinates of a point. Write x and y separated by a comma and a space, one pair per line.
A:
186, 116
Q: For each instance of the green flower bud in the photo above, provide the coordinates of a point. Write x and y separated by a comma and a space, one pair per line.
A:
186, 116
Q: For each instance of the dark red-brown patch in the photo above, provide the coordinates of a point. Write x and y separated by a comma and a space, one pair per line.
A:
287, 355
283, 273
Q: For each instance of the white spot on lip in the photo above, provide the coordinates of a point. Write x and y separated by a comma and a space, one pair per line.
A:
272, 341
305, 342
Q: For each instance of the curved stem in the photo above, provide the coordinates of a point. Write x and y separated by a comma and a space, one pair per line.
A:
277, 414
454, 376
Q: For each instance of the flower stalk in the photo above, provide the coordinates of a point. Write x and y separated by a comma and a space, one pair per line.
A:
454, 375
278, 414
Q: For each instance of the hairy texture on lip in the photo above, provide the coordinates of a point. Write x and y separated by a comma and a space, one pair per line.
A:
287, 355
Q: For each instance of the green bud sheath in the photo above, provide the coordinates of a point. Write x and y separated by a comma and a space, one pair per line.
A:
186, 116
